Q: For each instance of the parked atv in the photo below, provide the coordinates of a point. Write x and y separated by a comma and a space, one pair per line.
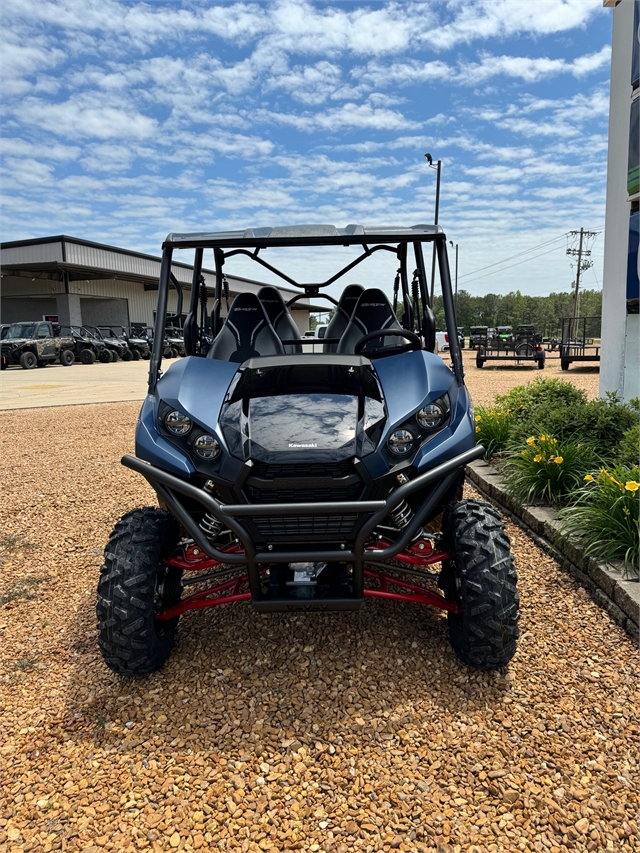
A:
301, 481
174, 343
35, 345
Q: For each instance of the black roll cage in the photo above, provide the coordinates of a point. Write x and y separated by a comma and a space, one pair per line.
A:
194, 327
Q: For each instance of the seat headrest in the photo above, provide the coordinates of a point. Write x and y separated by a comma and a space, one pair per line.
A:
349, 299
246, 316
373, 311
273, 302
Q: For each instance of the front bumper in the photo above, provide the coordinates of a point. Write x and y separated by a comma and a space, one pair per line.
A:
370, 515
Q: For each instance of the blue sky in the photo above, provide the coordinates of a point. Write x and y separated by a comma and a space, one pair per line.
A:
123, 121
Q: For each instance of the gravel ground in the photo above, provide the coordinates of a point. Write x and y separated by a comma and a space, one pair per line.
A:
337, 732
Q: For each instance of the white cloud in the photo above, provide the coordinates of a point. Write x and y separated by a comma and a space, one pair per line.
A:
83, 117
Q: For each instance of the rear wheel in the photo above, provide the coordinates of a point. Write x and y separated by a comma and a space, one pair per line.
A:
134, 587
482, 580
104, 356
525, 350
87, 356
126, 355
67, 357
28, 360
135, 354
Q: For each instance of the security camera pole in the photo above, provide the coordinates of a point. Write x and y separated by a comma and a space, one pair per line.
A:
438, 166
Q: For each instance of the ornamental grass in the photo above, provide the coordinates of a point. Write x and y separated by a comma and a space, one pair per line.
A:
547, 469
604, 515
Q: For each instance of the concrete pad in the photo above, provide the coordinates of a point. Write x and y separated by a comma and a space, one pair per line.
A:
56, 385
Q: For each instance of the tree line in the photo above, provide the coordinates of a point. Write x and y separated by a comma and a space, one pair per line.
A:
512, 309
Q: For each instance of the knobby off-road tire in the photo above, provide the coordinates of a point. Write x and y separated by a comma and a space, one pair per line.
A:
482, 579
133, 587
135, 354
87, 356
67, 357
104, 356
127, 355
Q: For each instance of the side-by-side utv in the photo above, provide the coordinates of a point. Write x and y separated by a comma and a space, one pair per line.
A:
299, 481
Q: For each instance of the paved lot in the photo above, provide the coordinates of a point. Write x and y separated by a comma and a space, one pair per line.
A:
110, 383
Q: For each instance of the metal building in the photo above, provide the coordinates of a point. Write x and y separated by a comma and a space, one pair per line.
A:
78, 282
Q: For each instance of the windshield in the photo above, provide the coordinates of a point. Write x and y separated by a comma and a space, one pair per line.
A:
21, 330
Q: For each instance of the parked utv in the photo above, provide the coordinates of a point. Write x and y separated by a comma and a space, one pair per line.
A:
115, 346
307, 481
477, 336
85, 348
35, 345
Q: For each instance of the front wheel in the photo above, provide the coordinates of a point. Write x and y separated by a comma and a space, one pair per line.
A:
135, 354
87, 356
126, 355
482, 580
104, 356
28, 360
134, 587
67, 357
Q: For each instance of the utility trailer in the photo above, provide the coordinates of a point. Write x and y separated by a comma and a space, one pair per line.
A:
580, 340
505, 345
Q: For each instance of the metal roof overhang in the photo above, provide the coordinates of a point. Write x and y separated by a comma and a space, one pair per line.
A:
305, 235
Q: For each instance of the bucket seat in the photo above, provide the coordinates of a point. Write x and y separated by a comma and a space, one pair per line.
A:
372, 312
280, 318
246, 332
340, 320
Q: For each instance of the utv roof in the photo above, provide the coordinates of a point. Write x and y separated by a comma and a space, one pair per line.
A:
305, 235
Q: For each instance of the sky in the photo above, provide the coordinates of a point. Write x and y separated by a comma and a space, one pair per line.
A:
125, 121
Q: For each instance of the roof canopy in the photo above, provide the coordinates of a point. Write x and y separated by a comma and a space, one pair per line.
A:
305, 235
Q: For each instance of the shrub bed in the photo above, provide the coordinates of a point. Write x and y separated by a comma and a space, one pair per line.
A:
555, 446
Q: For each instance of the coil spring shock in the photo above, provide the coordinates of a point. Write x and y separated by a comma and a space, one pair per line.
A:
401, 515
210, 526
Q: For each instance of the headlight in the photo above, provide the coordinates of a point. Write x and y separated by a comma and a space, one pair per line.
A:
431, 415
177, 423
207, 447
400, 442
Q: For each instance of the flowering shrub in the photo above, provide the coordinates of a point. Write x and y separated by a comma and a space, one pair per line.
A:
604, 515
547, 469
492, 429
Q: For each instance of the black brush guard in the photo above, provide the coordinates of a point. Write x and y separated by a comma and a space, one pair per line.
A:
167, 485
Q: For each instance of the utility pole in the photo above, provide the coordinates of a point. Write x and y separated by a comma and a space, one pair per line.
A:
583, 255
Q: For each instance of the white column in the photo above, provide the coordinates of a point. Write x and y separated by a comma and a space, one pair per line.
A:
614, 304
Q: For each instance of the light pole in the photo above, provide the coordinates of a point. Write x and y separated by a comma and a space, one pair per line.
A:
455, 293
438, 167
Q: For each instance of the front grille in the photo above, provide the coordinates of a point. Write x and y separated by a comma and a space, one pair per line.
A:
303, 469
331, 526
302, 495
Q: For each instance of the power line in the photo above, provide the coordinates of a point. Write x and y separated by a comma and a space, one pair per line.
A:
519, 263
511, 257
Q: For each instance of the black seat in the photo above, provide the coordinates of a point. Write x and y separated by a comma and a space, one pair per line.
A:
372, 312
280, 318
246, 332
340, 320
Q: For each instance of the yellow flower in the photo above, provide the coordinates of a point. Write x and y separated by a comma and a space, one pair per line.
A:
625, 510
537, 458
531, 441
632, 486
558, 460
543, 438
525, 453
478, 418
477, 429
589, 478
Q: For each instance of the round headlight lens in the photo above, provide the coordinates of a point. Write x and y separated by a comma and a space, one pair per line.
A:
177, 423
400, 442
207, 447
431, 416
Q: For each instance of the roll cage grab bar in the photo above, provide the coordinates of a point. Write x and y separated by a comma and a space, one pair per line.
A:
194, 327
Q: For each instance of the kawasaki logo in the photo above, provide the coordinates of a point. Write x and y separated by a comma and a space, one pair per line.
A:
295, 444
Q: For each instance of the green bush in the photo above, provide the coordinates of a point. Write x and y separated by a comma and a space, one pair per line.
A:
547, 469
629, 450
559, 409
493, 428
604, 515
